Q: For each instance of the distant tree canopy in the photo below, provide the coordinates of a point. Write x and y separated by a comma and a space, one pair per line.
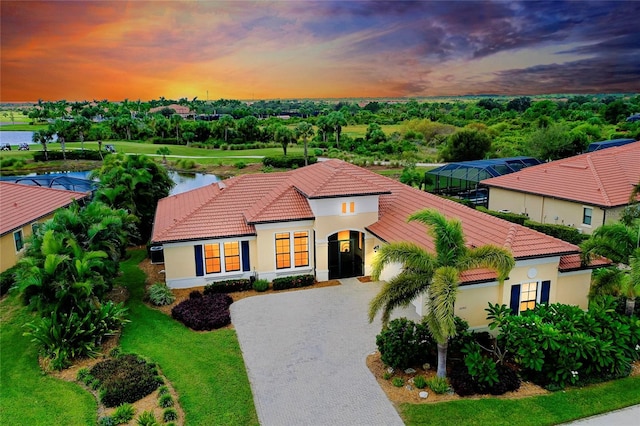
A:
466, 145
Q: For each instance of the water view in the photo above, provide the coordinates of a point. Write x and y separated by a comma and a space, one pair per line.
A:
183, 181
14, 137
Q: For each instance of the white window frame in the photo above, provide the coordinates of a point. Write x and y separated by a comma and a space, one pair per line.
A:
537, 299
223, 268
21, 239
292, 250
584, 215
347, 208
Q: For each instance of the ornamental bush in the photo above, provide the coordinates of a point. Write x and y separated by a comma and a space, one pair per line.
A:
227, 286
404, 344
208, 312
160, 294
556, 345
297, 281
261, 285
126, 379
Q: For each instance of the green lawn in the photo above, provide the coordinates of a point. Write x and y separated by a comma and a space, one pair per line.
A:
27, 397
559, 407
206, 368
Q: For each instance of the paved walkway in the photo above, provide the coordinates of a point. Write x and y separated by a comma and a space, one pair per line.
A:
305, 353
629, 416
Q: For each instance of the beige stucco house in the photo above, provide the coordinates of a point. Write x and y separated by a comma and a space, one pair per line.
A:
22, 208
329, 219
584, 191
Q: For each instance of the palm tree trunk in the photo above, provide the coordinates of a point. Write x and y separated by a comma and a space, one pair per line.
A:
306, 157
630, 306
442, 359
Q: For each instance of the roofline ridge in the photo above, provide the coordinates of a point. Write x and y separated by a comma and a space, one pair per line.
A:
594, 172
267, 200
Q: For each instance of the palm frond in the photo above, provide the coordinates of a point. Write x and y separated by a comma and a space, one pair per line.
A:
397, 292
447, 233
491, 257
410, 255
606, 281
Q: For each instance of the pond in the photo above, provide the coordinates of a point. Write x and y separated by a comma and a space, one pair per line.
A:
183, 181
14, 137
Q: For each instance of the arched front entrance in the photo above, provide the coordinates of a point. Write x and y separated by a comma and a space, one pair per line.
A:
346, 254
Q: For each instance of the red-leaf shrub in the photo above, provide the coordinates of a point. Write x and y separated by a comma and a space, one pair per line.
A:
297, 281
208, 312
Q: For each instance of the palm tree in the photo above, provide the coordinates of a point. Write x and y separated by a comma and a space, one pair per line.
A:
283, 134
304, 130
437, 274
615, 241
43, 137
336, 120
619, 281
634, 193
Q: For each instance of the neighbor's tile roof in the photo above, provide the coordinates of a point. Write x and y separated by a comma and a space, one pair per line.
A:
232, 207
602, 178
23, 204
572, 262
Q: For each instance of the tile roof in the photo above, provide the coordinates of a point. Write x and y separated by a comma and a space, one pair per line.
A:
23, 204
602, 178
232, 207
572, 262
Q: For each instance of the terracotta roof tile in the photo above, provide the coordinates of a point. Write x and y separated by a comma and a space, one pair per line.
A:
602, 178
24, 204
572, 262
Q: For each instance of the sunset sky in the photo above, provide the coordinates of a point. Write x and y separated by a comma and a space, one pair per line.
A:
84, 50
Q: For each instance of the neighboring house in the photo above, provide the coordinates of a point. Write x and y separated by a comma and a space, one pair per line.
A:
181, 110
584, 191
329, 219
22, 209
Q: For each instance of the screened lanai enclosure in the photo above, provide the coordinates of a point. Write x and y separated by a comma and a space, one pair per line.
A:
461, 179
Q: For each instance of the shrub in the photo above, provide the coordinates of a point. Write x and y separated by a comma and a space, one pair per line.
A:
170, 414
297, 281
520, 219
386, 375
146, 419
420, 382
397, 382
195, 295
123, 414
566, 233
287, 162
206, 313
227, 286
106, 421
160, 294
481, 368
63, 336
404, 343
163, 390
439, 385
165, 401
241, 165
125, 379
86, 154
556, 345
261, 285
7, 280
82, 373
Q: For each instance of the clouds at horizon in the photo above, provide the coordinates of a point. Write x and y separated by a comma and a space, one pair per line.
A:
315, 49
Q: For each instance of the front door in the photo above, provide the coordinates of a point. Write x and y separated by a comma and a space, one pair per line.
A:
346, 254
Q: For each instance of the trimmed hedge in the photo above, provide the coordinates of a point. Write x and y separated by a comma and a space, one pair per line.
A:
293, 282
128, 378
566, 233
208, 312
520, 219
287, 162
87, 154
227, 286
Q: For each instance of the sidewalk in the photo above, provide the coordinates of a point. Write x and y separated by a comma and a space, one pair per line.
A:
629, 416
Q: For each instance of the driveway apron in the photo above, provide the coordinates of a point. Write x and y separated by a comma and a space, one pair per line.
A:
305, 353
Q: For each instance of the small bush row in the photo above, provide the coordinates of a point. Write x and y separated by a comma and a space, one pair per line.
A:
227, 286
287, 162
87, 154
293, 282
204, 312
566, 233
125, 379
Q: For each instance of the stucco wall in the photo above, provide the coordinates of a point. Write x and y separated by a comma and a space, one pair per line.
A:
8, 254
545, 209
573, 288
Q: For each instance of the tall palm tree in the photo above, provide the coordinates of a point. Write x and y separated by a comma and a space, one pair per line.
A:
437, 274
304, 130
615, 241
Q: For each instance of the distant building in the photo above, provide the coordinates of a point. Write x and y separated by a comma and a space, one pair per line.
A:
22, 209
584, 191
181, 110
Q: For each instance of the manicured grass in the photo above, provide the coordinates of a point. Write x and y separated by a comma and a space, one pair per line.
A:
360, 130
18, 126
27, 396
559, 407
206, 369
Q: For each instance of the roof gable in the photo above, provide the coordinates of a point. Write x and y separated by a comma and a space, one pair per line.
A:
602, 178
23, 204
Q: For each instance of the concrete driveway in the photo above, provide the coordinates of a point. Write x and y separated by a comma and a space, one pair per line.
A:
305, 353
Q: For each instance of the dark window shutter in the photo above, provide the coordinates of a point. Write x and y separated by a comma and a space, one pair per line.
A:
544, 292
245, 256
199, 264
515, 299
